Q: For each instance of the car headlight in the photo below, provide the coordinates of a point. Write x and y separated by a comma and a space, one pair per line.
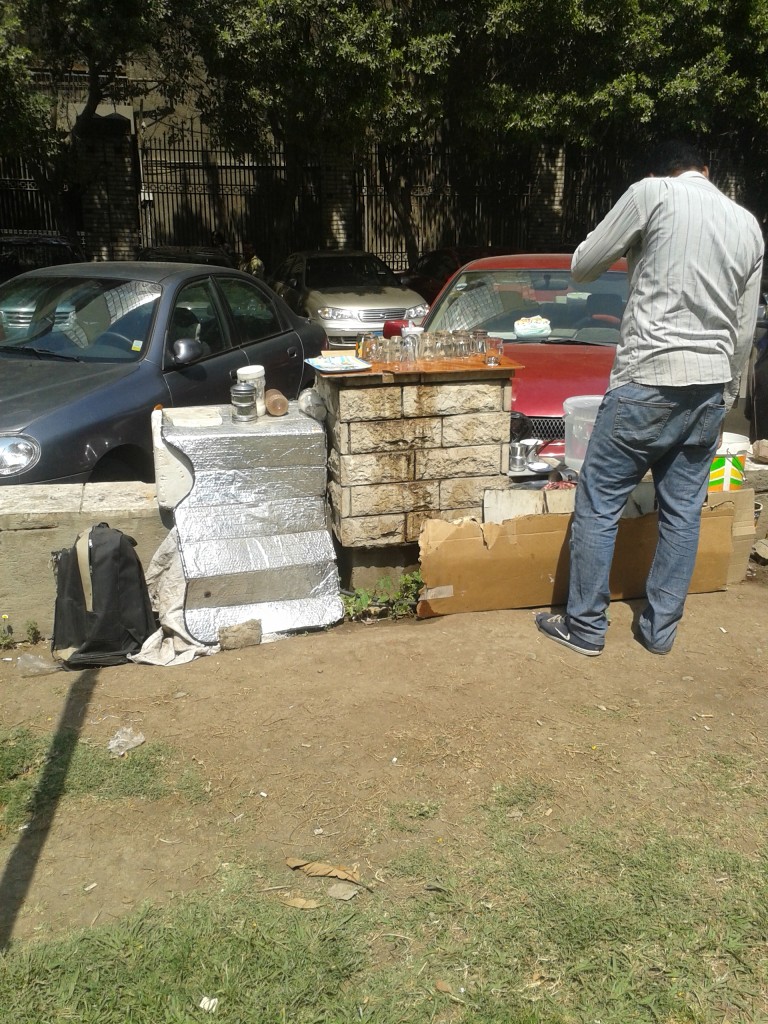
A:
335, 313
417, 311
17, 453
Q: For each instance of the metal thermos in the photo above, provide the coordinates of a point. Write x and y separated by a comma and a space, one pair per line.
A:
243, 398
518, 457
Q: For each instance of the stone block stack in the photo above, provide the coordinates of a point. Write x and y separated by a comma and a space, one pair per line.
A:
402, 452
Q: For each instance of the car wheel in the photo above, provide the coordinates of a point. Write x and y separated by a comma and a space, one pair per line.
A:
123, 466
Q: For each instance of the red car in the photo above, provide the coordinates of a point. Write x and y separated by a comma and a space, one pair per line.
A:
433, 269
568, 351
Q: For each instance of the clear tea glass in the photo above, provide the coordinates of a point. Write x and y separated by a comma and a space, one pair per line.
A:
494, 350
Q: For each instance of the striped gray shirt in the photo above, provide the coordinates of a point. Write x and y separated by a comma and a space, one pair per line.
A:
695, 263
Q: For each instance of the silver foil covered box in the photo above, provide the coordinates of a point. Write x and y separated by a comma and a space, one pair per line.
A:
252, 530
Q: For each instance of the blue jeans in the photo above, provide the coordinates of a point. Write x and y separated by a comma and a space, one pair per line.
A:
674, 432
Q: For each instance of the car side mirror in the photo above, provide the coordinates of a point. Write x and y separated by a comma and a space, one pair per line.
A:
187, 350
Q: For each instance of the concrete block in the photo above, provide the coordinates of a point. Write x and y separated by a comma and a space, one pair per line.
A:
338, 496
415, 520
370, 531
447, 463
338, 434
560, 501
452, 399
118, 499
476, 428
329, 392
36, 507
506, 401
498, 506
349, 470
468, 491
394, 435
363, 567
380, 499
370, 403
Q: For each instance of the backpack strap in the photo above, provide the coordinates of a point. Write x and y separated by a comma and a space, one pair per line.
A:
84, 564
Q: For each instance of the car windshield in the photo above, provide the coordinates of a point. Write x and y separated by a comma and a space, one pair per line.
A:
507, 303
364, 271
77, 317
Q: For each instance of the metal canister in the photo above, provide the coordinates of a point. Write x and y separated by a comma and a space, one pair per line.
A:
243, 398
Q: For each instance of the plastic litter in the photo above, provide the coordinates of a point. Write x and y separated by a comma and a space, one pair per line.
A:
311, 404
209, 1004
35, 665
125, 739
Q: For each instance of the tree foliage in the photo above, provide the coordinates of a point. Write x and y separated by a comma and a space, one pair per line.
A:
336, 75
25, 112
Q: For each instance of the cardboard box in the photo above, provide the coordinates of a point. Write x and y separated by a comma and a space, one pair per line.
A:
523, 563
744, 534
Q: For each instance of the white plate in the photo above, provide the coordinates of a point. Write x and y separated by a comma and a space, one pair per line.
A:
338, 364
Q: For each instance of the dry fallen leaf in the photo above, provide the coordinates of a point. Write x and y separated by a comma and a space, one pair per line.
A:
343, 891
443, 986
300, 903
316, 869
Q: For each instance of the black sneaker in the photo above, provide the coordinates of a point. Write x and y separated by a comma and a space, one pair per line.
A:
556, 628
651, 650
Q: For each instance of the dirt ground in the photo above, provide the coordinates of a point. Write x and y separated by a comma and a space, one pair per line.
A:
308, 745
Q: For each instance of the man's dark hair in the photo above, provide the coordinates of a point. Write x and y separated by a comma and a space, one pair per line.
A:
674, 156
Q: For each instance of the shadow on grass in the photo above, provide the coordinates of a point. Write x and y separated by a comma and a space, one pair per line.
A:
22, 863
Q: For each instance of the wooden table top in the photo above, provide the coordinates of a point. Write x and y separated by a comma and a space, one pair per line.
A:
427, 371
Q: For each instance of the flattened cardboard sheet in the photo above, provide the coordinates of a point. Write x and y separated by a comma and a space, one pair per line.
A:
523, 563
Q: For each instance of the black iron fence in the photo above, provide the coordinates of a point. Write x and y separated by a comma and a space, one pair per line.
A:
24, 207
191, 188
186, 188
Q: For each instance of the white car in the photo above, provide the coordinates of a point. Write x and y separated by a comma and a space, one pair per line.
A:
348, 293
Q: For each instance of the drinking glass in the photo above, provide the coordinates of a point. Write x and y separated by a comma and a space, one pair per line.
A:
392, 350
427, 347
479, 341
463, 344
370, 348
494, 350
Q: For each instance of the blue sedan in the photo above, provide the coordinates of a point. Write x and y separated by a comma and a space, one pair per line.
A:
88, 350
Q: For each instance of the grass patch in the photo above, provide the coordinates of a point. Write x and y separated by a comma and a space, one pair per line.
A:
36, 770
645, 922
264, 962
522, 795
408, 817
621, 928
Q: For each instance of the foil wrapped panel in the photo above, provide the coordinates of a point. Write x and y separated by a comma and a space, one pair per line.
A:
252, 531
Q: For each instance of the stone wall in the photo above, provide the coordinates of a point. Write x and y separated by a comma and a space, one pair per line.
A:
405, 452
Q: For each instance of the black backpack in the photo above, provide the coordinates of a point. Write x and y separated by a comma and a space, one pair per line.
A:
103, 612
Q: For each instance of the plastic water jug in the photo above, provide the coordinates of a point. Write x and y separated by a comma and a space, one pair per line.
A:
580, 412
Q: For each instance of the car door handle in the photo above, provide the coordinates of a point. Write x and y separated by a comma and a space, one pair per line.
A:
292, 352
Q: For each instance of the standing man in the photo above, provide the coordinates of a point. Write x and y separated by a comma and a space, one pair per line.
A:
695, 260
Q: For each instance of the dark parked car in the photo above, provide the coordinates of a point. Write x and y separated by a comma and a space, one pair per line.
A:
210, 255
88, 351
20, 253
433, 269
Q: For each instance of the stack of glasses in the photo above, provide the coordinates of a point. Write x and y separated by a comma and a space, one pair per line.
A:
436, 346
